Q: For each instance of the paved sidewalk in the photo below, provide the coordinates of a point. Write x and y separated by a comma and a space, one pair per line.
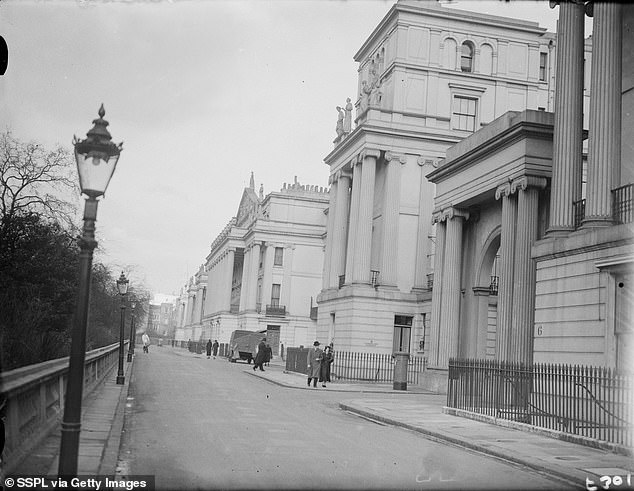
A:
101, 426
425, 413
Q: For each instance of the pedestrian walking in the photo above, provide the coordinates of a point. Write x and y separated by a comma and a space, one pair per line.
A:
260, 357
146, 342
269, 354
314, 363
282, 351
326, 360
189, 345
215, 348
209, 346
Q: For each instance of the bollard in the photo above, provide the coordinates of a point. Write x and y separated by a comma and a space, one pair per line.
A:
400, 370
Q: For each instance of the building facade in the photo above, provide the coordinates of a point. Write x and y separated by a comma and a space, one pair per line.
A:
264, 269
516, 188
429, 77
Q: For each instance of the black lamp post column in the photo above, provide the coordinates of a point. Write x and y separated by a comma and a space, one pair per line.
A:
122, 285
71, 423
132, 335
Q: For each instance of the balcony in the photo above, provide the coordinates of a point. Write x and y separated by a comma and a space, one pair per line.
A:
374, 277
342, 280
276, 310
579, 208
622, 209
430, 281
493, 287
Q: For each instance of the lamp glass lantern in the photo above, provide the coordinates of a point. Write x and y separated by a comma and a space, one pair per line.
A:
96, 157
122, 284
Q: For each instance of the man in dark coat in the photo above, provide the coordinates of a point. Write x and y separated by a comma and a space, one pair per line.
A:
260, 358
313, 362
208, 349
215, 347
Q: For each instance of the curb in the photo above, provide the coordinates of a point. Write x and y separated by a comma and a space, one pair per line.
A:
443, 438
110, 454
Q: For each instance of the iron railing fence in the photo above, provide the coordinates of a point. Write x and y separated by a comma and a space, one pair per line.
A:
593, 402
352, 366
342, 280
374, 277
622, 204
579, 210
494, 285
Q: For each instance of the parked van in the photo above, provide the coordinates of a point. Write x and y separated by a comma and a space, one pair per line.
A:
244, 345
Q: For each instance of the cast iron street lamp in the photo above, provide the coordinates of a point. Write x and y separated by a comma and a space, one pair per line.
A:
96, 158
122, 286
132, 333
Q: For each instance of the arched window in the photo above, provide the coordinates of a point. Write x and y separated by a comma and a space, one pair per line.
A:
485, 63
449, 54
466, 57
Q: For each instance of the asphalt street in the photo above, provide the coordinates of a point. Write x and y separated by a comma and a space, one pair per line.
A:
196, 423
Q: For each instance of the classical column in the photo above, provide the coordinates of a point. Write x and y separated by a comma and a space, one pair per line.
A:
332, 206
244, 289
436, 296
604, 139
450, 302
340, 229
351, 253
507, 263
363, 240
287, 278
391, 211
568, 128
253, 275
267, 277
523, 315
425, 204
228, 279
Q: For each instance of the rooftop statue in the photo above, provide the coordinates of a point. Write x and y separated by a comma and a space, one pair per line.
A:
347, 120
340, 119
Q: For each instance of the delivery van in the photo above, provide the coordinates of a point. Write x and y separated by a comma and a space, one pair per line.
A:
243, 345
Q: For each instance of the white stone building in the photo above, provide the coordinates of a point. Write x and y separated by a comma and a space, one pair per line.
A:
264, 269
429, 76
566, 250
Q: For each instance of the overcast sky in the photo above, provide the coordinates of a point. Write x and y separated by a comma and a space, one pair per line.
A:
201, 93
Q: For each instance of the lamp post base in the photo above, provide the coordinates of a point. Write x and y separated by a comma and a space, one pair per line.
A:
120, 379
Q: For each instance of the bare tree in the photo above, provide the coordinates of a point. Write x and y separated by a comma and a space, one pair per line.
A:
32, 179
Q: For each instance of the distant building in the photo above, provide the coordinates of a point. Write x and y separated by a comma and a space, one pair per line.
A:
161, 319
429, 76
264, 269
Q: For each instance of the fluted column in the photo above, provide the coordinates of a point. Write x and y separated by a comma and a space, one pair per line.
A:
507, 264
228, 279
267, 277
568, 127
363, 241
351, 253
332, 206
604, 139
425, 205
287, 278
524, 269
246, 267
391, 209
340, 228
450, 302
436, 296
253, 276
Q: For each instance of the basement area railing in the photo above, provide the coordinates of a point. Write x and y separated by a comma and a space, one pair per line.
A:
596, 403
622, 204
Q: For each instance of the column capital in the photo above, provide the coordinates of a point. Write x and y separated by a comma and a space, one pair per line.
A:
231, 249
338, 175
453, 212
390, 156
426, 161
369, 152
527, 181
437, 216
504, 190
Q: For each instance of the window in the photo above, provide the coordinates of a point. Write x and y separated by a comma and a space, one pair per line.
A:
279, 256
402, 332
464, 113
543, 57
466, 57
275, 294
